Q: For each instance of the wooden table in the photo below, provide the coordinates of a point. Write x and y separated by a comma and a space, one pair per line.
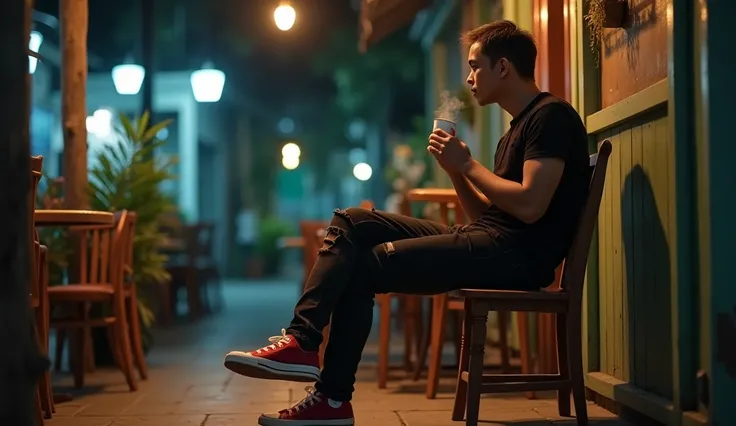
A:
64, 218
68, 218
291, 242
436, 195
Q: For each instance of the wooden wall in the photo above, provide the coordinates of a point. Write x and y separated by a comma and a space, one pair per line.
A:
635, 229
634, 58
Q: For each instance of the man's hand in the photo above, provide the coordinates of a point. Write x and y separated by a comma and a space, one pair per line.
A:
451, 153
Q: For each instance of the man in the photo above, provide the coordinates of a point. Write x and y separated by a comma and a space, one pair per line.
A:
523, 217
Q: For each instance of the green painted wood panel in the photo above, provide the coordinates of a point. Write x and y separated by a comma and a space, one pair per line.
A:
635, 229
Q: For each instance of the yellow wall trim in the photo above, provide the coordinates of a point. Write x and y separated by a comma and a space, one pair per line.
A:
636, 104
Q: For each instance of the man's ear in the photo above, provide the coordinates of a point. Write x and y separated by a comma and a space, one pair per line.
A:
504, 67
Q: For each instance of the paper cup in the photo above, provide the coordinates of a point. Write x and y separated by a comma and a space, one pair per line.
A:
446, 125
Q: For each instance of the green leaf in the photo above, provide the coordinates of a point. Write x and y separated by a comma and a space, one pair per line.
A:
153, 131
127, 176
141, 127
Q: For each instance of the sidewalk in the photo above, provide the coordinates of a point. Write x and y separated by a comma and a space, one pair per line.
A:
189, 386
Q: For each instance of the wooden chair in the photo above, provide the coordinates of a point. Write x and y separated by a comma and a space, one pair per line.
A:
39, 298
565, 303
131, 296
102, 250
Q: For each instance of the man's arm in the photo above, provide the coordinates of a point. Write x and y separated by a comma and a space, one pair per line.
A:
474, 203
548, 138
527, 201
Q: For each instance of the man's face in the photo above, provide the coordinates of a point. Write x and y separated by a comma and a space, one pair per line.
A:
485, 81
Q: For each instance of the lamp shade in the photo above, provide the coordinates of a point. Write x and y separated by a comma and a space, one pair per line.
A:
207, 84
34, 45
128, 78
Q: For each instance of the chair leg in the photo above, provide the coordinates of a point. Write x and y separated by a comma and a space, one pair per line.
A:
575, 359
503, 341
522, 319
478, 318
421, 363
59, 352
461, 388
410, 330
135, 336
384, 337
563, 395
439, 313
37, 411
76, 356
122, 343
89, 351
42, 386
457, 332
426, 333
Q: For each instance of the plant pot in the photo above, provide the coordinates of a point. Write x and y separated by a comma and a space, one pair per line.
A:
616, 12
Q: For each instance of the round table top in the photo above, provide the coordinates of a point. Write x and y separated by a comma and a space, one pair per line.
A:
291, 242
438, 195
72, 217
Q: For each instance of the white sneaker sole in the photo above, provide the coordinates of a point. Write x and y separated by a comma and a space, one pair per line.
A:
260, 368
271, 421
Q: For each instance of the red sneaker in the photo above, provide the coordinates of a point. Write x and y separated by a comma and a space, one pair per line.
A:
284, 359
314, 410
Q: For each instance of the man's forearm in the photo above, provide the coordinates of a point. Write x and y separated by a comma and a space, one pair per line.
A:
474, 203
507, 195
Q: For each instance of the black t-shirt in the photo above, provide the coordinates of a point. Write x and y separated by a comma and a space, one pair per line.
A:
548, 127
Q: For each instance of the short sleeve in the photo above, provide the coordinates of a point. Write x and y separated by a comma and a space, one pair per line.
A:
550, 133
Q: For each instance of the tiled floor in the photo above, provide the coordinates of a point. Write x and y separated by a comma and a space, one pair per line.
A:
189, 386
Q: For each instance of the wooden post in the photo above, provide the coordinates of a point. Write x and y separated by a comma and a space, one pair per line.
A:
74, 22
147, 8
20, 361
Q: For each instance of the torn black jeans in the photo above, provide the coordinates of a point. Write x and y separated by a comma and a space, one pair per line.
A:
369, 251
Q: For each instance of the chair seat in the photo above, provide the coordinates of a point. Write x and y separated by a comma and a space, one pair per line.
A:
81, 292
518, 301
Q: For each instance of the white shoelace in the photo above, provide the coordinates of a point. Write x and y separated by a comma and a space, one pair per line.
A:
277, 341
310, 400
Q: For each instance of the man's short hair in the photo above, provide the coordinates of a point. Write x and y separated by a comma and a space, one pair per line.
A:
504, 39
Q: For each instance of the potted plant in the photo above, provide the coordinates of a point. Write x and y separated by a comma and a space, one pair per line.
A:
271, 230
127, 176
604, 14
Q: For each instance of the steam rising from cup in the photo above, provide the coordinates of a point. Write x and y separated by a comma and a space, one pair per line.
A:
449, 108
447, 114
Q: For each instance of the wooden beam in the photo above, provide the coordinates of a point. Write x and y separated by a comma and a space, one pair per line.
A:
639, 103
718, 94
683, 272
74, 23
20, 360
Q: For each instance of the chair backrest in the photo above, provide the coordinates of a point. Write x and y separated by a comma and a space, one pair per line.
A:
33, 254
102, 251
199, 239
128, 241
573, 274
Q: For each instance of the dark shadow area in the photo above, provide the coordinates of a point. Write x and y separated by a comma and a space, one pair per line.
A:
648, 289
